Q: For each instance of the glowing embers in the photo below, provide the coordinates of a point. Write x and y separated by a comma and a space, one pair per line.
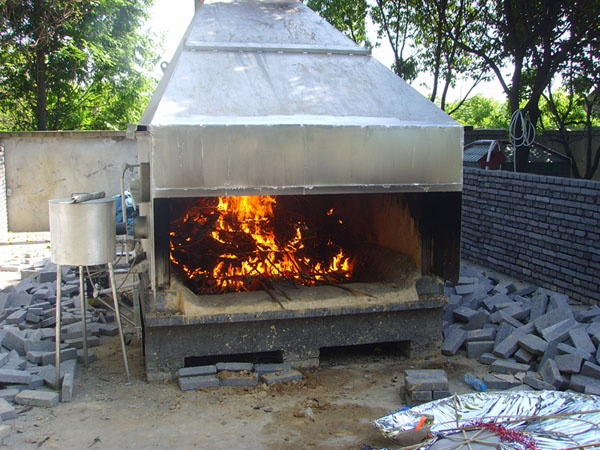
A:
245, 243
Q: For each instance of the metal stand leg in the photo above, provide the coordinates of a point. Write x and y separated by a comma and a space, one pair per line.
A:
118, 314
83, 302
57, 332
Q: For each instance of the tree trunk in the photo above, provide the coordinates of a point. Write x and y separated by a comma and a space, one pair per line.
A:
40, 65
40, 89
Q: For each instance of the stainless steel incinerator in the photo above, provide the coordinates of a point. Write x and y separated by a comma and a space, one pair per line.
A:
268, 116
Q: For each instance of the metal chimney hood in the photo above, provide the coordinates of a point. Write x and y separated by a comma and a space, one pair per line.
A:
265, 97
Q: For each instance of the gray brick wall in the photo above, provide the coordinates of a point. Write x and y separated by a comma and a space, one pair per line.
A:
541, 229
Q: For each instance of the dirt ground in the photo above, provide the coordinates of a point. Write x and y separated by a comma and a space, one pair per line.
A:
332, 407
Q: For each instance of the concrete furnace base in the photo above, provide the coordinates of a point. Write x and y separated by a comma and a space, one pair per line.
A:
312, 318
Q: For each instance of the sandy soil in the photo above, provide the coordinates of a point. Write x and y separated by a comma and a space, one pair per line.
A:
344, 396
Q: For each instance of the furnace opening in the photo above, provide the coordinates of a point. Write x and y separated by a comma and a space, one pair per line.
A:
219, 245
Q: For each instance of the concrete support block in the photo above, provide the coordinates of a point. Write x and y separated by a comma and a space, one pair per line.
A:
37, 398
197, 370
200, 381
278, 377
239, 379
272, 368
234, 366
425, 380
551, 374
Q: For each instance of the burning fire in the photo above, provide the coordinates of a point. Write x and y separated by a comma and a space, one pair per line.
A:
246, 243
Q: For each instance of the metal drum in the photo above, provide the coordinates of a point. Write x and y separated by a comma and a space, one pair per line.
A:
82, 234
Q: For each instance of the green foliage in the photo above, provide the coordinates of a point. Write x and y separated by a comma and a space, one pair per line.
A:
73, 65
481, 112
395, 20
348, 16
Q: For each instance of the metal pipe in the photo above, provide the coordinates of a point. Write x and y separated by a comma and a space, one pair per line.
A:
83, 302
57, 332
118, 314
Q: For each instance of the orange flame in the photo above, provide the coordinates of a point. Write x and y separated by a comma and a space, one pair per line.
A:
240, 237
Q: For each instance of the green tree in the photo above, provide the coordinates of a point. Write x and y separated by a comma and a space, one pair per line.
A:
533, 39
68, 64
439, 53
395, 20
480, 112
348, 16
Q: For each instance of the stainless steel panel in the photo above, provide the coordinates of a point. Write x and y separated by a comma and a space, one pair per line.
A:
82, 234
236, 160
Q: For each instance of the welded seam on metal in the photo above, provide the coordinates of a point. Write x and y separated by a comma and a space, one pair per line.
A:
273, 48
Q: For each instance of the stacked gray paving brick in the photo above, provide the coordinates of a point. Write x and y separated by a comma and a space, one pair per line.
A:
532, 335
27, 338
234, 374
542, 229
422, 386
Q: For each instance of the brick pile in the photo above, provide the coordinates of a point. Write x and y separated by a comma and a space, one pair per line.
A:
235, 374
27, 339
533, 335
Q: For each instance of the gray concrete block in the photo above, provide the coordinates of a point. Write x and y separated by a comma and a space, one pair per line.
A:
579, 383
8, 394
50, 357
495, 382
16, 317
8, 376
200, 381
551, 318
66, 392
590, 370
92, 341
592, 390
272, 368
246, 379
487, 358
197, 370
504, 317
581, 340
14, 340
426, 379
559, 331
559, 301
484, 334
563, 348
497, 299
524, 357
4, 357
437, 395
107, 329
478, 320
528, 328
278, 377
48, 374
37, 398
234, 366
464, 314
91, 357
36, 356
36, 382
508, 366
586, 315
504, 330
568, 363
551, 374
39, 346
7, 411
464, 289
538, 384
49, 322
32, 318
477, 348
453, 342
417, 397
508, 346
533, 344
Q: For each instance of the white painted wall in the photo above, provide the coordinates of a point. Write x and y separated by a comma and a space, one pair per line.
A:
44, 165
